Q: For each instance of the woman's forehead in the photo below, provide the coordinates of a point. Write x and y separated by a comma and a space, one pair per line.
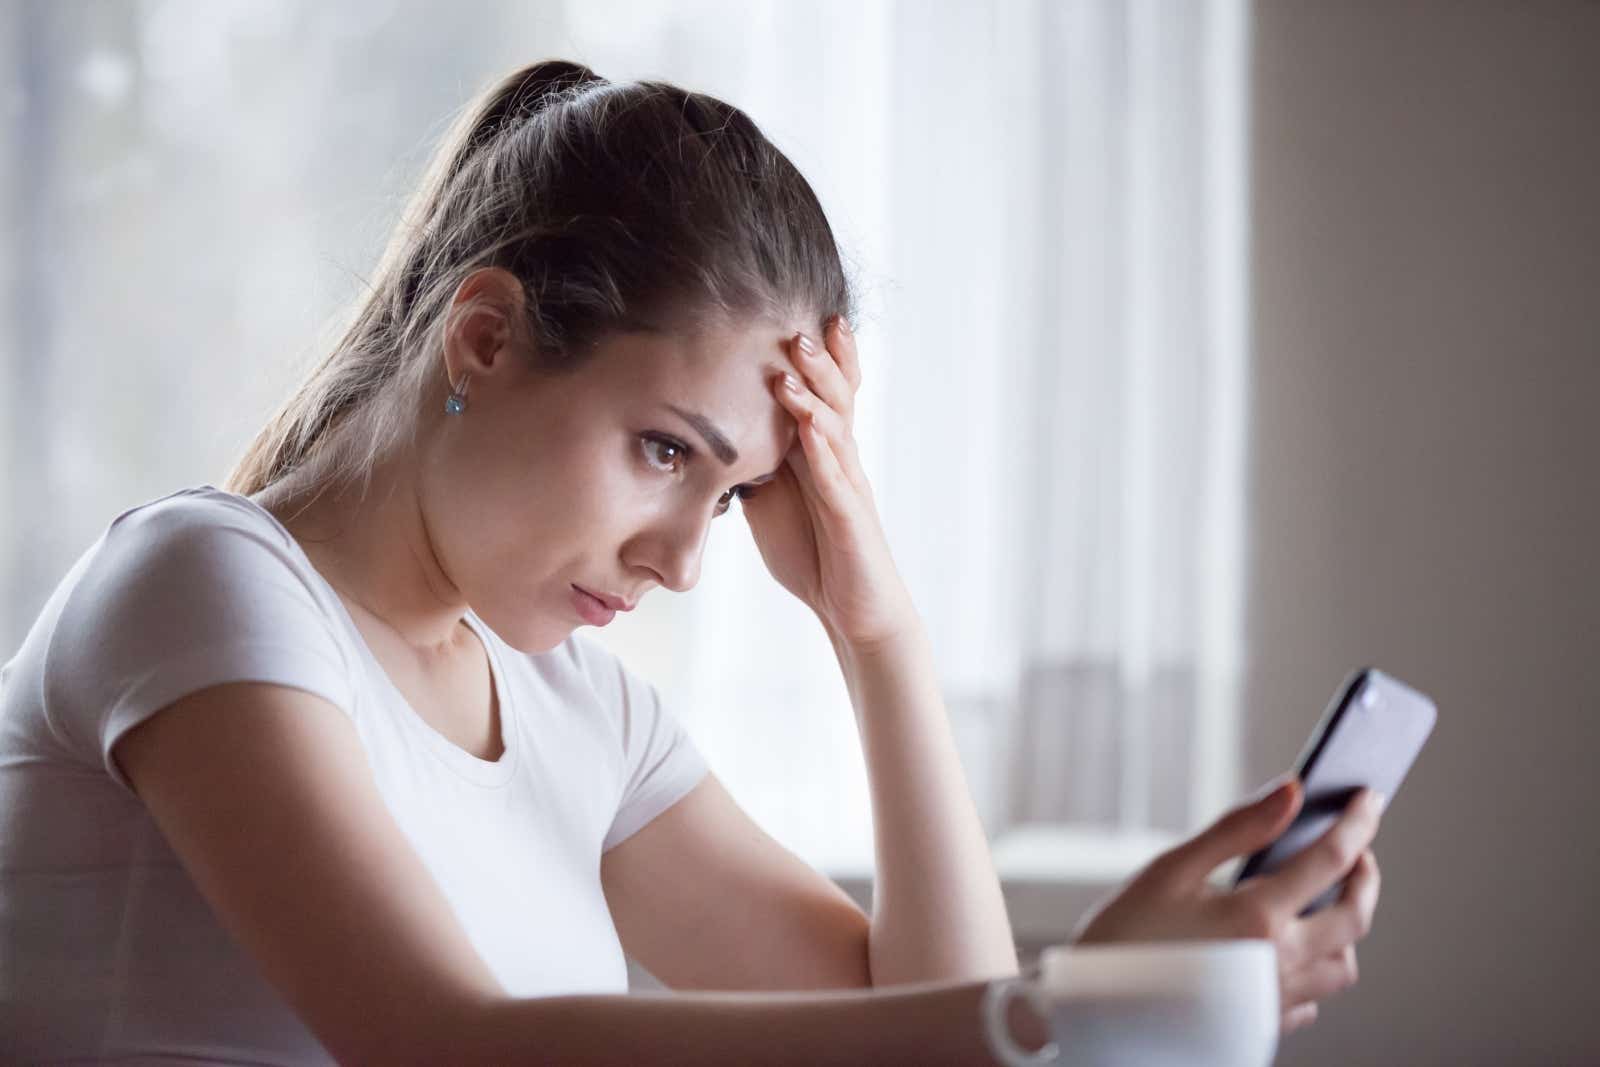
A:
735, 360
716, 383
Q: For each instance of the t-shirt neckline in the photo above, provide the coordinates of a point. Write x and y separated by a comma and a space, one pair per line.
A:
478, 771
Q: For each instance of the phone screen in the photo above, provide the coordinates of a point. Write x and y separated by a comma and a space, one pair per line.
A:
1369, 736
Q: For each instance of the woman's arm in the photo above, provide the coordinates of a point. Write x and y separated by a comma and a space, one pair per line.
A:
706, 899
263, 793
927, 1025
938, 913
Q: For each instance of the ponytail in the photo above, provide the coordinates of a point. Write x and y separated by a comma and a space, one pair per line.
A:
583, 190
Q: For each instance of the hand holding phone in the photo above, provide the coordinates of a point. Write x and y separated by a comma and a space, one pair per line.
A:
1368, 737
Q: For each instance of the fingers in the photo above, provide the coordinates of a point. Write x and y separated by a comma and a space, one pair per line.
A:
841, 341
1298, 1016
1240, 831
825, 376
818, 467
1350, 919
805, 405
1324, 977
1325, 861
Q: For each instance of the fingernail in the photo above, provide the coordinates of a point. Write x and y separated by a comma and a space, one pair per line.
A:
1380, 801
844, 326
1274, 789
805, 344
791, 383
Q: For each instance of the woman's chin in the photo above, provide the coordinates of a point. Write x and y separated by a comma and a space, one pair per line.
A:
548, 640
540, 636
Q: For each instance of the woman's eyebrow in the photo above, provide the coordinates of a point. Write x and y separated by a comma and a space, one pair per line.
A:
714, 439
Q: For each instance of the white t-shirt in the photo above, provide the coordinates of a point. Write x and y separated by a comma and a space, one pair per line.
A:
107, 950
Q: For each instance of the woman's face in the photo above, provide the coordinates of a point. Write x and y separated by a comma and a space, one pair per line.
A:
603, 480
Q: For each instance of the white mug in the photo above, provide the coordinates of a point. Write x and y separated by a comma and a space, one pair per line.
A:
1156, 1003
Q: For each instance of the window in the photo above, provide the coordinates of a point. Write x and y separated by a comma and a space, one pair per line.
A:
1044, 208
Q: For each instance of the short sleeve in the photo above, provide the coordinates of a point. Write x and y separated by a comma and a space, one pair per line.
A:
177, 596
661, 762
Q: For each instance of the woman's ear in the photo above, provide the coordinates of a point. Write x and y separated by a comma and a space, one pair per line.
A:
484, 323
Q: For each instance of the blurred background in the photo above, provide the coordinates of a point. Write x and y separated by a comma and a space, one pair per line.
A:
1212, 349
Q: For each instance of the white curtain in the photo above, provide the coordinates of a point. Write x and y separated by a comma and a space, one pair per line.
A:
1046, 202
1042, 202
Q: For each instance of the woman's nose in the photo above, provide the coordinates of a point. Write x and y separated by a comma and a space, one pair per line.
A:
673, 549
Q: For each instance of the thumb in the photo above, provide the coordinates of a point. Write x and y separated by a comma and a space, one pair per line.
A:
1254, 824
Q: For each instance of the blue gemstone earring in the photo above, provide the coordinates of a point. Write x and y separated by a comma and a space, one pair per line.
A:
456, 402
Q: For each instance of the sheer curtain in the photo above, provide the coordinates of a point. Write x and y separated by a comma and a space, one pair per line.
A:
1046, 202
1043, 206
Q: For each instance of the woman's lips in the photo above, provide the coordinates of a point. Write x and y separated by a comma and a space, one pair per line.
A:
590, 609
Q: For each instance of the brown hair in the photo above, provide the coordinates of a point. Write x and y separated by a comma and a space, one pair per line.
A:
632, 207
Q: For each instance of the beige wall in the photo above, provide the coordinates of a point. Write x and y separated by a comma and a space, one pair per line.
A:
1426, 491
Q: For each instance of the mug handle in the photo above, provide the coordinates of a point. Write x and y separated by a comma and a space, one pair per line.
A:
996, 1002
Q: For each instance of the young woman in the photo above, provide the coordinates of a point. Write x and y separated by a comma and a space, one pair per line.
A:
314, 765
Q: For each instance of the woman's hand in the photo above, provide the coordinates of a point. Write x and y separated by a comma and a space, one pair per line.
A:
1170, 898
816, 524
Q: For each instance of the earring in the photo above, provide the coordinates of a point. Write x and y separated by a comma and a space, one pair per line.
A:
456, 402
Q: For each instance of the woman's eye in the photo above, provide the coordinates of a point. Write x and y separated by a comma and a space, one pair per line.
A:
664, 455
667, 456
743, 492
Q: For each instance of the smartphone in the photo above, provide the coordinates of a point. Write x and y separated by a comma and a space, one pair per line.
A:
1369, 736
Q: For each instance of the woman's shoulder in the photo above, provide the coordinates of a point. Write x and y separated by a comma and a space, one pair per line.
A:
198, 537
197, 552
195, 588
199, 508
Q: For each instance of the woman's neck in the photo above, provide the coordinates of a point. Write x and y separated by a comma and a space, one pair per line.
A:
374, 549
